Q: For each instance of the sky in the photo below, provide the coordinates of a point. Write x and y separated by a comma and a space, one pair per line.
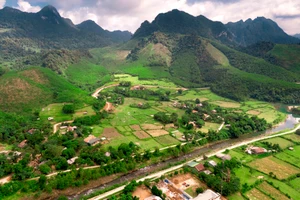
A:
129, 14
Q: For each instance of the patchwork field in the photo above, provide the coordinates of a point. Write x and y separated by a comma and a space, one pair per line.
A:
110, 133
295, 183
281, 169
283, 143
247, 175
293, 137
167, 140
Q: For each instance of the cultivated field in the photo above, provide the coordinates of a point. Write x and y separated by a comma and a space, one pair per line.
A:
293, 137
295, 183
157, 133
141, 134
289, 156
273, 192
281, 169
110, 133
255, 194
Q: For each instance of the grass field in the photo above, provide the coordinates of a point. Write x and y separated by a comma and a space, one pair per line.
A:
285, 188
281, 169
236, 196
255, 194
55, 111
248, 175
209, 125
241, 156
283, 143
5, 147
167, 140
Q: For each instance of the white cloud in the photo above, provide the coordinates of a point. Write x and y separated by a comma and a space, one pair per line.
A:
2, 3
27, 7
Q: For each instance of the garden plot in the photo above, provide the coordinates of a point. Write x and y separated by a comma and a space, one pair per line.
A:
255, 194
110, 133
157, 133
141, 134
283, 143
151, 127
281, 169
273, 192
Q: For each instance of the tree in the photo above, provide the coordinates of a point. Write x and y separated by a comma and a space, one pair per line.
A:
180, 91
68, 109
298, 132
199, 190
156, 191
42, 182
45, 169
197, 101
2, 71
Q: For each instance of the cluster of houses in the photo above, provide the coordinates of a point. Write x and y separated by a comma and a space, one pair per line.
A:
93, 140
256, 150
138, 87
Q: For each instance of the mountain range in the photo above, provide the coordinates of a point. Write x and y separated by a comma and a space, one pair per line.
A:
241, 60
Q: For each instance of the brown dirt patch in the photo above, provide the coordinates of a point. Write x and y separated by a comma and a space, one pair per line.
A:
135, 127
110, 133
151, 127
122, 55
168, 126
142, 192
141, 134
253, 112
170, 191
109, 107
157, 133
35, 76
189, 179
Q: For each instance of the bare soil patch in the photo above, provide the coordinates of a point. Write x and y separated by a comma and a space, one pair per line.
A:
181, 181
135, 127
110, 133
151, 127
141, 134
157, 133
35, 76
142, 192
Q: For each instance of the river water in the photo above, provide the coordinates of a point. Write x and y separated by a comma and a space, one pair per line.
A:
289, 123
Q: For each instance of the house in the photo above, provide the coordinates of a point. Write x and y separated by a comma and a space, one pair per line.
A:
92, 140
193, 123
212, 163
192, 164
206, 116
194, 111
22, 144
63, 127
199, 105
200, 167
107, 154
214, 111
71, 128
208, 195
140, 105
256, 150
291, 148
72, 160
153, 198
50, 118
224, 156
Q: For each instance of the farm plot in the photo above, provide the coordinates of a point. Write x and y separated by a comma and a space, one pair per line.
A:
151, 127
255, 194
281, 169
87, 111
167, 140
227, 104
110, 133
273, 192
135, 127
157, 133
283, 143
55, 111
141, 134
254, 112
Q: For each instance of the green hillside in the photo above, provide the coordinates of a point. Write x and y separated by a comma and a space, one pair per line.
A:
31, 89
287, 56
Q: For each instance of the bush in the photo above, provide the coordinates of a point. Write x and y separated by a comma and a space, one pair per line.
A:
45, 169
68, 109
199, 190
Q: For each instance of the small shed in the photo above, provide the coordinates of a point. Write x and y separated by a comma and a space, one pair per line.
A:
200, 167
212, 163
192, 164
